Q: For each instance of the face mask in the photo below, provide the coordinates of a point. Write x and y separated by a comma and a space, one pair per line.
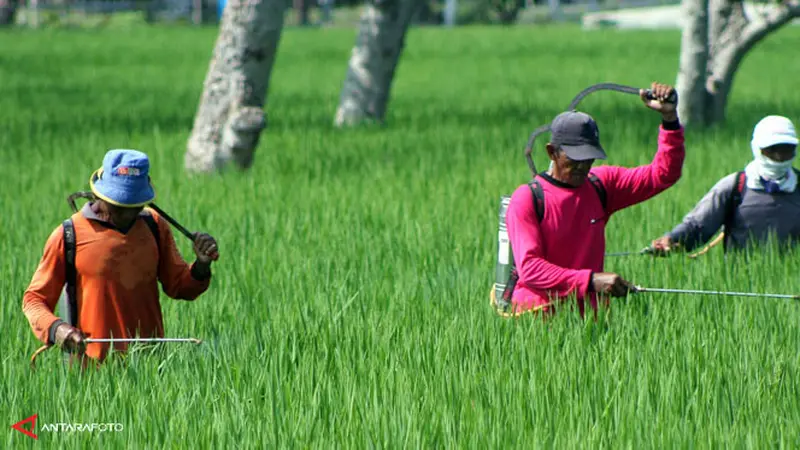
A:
773, 170
768, 168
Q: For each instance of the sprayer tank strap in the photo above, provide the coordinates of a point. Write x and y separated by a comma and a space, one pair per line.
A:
539, 198
70, 308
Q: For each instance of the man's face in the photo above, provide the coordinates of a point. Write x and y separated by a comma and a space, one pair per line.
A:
123, 217
780, 152
569, 170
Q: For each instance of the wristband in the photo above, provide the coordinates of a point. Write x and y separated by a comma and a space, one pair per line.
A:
671, 125
51, 333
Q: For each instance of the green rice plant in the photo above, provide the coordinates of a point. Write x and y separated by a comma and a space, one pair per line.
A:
349, 308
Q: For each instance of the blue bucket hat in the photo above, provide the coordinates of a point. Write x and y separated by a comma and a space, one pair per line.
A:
124, 179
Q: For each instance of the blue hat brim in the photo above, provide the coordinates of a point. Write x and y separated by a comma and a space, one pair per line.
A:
128, 196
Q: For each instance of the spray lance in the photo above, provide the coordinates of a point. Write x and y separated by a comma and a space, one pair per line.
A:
651, 251
638, 289
126, 340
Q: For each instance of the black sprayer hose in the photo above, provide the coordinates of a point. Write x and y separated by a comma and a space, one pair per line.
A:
673, 98
90, 196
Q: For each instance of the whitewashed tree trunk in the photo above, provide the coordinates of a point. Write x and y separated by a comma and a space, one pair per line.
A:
450, 8
555, 9
691, 82
302, 9
230, 116
380, 42
730, 36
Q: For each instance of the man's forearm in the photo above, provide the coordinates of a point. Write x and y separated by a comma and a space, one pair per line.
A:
690, 235
538, 274
686, 235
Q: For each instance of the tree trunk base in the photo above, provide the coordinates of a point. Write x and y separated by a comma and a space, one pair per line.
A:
241, 135
372, 64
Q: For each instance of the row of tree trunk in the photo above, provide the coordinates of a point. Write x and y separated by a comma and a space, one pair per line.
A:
230, 117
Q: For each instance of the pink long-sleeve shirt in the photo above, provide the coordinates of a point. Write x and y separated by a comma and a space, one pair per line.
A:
555, 258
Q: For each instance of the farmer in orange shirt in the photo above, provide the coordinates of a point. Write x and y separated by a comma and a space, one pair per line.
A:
122, 251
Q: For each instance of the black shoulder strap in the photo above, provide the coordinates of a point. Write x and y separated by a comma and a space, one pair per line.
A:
736, 195
70, 307
598, 186
538, 194
538, 198
151, 223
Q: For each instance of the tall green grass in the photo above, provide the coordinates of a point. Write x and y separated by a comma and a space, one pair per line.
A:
349, 308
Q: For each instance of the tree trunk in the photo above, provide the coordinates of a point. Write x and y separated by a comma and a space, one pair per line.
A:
507, 10
302, 8
730, 35
691, 82
449, 13
8, 12
728, 22
230, 117
373, 61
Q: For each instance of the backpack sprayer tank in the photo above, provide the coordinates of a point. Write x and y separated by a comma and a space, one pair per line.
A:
505, 259
505, 275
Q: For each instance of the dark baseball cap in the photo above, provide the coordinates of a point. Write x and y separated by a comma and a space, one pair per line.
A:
577, 134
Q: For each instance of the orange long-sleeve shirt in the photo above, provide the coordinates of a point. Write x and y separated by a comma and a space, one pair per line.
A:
117, 281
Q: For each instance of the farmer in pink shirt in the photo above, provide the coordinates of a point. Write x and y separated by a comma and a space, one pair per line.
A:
562, 256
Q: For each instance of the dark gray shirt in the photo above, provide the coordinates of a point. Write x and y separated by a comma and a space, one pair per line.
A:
759, 215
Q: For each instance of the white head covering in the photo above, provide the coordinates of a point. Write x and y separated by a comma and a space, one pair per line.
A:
769, 131
774, 130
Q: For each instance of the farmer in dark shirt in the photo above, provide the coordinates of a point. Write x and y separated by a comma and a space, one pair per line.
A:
751, 205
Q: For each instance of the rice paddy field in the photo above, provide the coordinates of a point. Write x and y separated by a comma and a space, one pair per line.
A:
350, 304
